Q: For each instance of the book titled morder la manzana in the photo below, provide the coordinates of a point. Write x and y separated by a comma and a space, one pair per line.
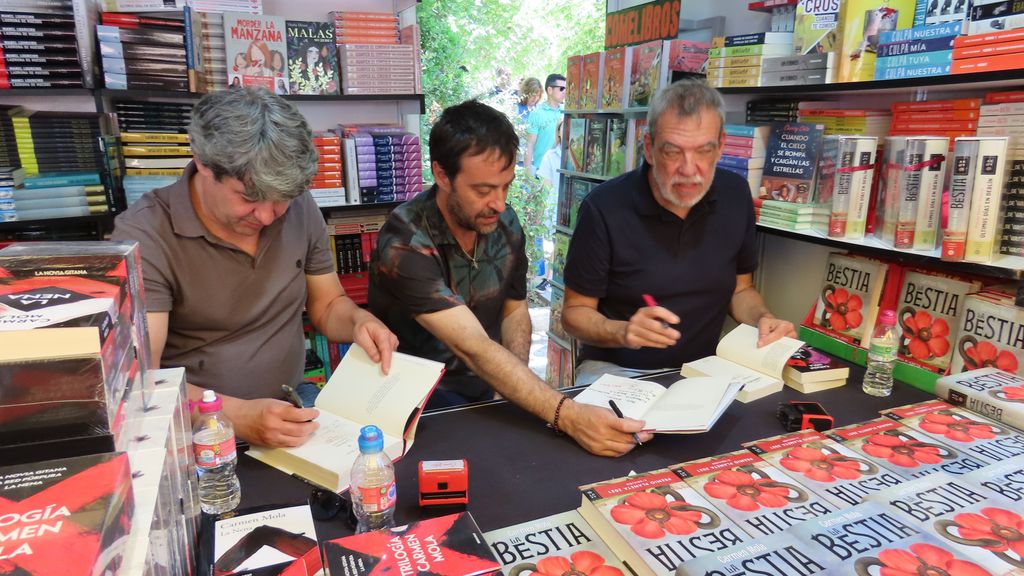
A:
551, 545
358, 394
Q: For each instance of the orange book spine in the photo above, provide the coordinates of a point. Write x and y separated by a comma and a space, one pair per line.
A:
367, 40
991, 38
941, 115
960, 104
983, 50
933, 125
988, 64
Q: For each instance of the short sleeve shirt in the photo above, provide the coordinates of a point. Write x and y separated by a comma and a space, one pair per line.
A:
542, 122
235, 322
626, 245
419, 268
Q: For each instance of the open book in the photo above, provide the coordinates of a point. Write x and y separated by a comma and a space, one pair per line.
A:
358, 394
739, 359
687, 407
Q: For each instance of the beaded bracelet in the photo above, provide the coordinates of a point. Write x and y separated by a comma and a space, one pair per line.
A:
558, 412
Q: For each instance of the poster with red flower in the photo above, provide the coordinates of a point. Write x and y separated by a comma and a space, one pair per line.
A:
991, 335
655, 521
1005, 479
780, 554
928, 313
906, 452
759, 497
991, 392
987, 440
848, 301
553, 546
824, 466
974, 525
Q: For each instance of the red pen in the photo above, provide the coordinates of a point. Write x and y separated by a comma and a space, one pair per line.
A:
651, 302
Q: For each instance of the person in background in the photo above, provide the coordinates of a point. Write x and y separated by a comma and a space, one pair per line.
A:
448, 276
548, 173
540, 129
677, 229
530, 92
232, 253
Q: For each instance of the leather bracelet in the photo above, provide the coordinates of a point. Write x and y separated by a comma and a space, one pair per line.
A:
558, 412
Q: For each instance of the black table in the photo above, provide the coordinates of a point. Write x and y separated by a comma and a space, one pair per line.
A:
521, 470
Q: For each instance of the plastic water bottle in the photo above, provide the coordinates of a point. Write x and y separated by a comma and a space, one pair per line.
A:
373, 483
213, 440
882, 355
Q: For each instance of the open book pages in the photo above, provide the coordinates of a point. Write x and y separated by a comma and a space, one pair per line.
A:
687, 406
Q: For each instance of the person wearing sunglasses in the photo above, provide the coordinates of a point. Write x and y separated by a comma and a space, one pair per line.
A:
540, 126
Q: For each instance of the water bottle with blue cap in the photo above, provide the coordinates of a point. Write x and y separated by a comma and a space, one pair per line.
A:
373, 483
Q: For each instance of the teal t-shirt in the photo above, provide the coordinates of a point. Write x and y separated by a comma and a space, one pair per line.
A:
542, 122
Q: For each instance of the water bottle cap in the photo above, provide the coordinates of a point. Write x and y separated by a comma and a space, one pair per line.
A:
210, 402
371, 439
887, 317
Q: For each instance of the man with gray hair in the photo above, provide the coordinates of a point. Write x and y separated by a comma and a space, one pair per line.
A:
660, 254
232, 252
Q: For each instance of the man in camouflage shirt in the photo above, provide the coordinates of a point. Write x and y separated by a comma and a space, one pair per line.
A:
449, 278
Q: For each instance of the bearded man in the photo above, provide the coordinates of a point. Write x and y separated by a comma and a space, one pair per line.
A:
661, 254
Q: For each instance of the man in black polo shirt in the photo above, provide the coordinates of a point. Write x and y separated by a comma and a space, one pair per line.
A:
676, 229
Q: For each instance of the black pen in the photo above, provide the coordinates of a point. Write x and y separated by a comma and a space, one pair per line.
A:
615, 408
291, 396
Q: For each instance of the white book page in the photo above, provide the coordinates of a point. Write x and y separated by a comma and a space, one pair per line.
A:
633, 397
740, 346
689, 404
335, 445
721, 368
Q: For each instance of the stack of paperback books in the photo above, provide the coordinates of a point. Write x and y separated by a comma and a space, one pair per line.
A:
1002, 114
735, 61
949, 118
908, 215
377, 68
810, 370
996, 50
845, 175
973, 232
382, 164
743, 152
916, 52
153, 160
365, 27
39, 47
327, 187
769, 111
142, 52
791, 215
797, 69
852, 121
205, 53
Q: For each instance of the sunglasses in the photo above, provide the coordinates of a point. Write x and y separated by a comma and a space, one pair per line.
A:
560, 88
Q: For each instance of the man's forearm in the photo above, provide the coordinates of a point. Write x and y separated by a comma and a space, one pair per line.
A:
338, 322
516, 333
594, 328
511, 378
748, 307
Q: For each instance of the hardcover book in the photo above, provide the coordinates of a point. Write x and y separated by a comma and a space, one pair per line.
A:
451, 544
573, 75
825, 467
970, 433
902, 450
751, 492
791, 162
925, 173
994, 393
1005, 479
613, 88
644, 78
590, 82
312, 58
780, 554
849, 298
972, 176
991, 334
596, 146
267, 542
929, 312
555, 327
654, 521
616, 163
853, 162
577, 144
578, 191
552, 545
984, 228
558, 259
256, 51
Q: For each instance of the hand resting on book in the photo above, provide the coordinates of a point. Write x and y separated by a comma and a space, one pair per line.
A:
270, 422
599, 430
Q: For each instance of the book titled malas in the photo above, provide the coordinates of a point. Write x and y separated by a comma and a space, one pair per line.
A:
760, 498
70, 517
822, 465
792, 161
553, 545
256, 51
780, 554
312, 58
930, 307
451, 544
850, 292
654, 521
991, 392
267, 542
974, 524
906, 452
970, 433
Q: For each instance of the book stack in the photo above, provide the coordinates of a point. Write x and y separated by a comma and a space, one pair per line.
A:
377, 68
770, 111
810, 370
743, 152
846, 121
365, 27
152, 160
988, 52
990, 16
845, 174
973, 230
950, 118
410, 36
205, 54
1002, 114
312, 58
328, 188
791, 216
142, 53
798, 69
916, 52
735, 61
38, 47
382, 165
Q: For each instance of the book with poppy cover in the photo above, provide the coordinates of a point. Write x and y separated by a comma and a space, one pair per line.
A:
906, 452
553, 545
451, 545
780, 554
825, 467
1005, 479
986, 440
975, 525
759, 497
850, 293
265, 541
991, 392
654, 521
929, 310
991, 335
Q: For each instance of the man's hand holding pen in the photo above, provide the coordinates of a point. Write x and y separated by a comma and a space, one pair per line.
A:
650, 327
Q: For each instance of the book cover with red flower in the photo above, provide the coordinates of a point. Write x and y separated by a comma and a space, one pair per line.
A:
906, 452
973, 524
970, 433
850, 294
1005, 479
824, 466
929, 312
988, 391
991, 335
655, 521
869, 536
449, 545
759, 497
69, 517
552, 546
780, 554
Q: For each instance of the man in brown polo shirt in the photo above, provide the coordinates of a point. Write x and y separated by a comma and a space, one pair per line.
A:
232, 252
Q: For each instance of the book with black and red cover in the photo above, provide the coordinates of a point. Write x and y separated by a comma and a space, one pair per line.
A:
451, 544
809, 366
262, 541
970, 433
312, 58
550, 545
70, 517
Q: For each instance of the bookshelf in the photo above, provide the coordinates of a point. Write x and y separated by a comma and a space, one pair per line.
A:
574, 174
951, 82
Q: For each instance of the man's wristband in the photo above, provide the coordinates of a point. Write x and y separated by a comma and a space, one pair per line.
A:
558, 413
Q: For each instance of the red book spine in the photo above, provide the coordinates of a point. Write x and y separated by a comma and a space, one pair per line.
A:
1003, 97
991, 38
941, 115
990, 63
960, 104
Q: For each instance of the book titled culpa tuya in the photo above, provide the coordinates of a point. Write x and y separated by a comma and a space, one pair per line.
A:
451, 545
